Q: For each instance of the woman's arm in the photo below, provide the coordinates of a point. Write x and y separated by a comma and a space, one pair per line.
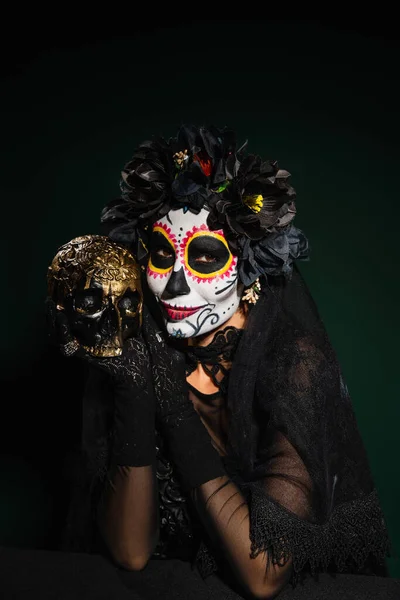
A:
118, 434
128, 515
225, 514
221, 506
229, 519
236, 523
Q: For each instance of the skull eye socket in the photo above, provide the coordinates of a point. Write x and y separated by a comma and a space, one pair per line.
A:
129, 303
88, 302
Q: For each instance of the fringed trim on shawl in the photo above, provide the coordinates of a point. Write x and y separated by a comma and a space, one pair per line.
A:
354, 531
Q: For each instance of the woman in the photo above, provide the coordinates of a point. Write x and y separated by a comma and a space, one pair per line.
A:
230, 443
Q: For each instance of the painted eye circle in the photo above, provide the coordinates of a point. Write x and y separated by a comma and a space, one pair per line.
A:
207, 255
161, 259
162, 252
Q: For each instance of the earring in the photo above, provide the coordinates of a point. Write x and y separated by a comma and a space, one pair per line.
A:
252, 293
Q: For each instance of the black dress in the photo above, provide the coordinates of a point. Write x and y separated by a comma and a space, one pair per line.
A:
184, 565
284, 426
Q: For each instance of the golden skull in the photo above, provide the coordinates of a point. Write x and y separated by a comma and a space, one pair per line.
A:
97, 283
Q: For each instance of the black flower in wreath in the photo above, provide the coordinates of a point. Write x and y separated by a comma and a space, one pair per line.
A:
259, 201
250, 199
274, 254
184, 171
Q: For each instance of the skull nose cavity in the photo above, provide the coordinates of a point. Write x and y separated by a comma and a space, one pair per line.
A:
108, 326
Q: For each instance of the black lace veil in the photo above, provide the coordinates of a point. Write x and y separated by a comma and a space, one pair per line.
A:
293, 386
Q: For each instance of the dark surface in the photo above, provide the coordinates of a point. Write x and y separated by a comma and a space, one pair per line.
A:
43, 575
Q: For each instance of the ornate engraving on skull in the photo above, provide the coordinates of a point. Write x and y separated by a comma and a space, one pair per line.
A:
97, 283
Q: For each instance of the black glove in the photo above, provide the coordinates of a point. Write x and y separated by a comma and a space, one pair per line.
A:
134, 401
187, 439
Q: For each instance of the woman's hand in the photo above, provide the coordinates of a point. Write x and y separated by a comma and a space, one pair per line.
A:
188, 441
134, 403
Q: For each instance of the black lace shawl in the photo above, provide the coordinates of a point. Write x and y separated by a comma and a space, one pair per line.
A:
286, 379
295, 381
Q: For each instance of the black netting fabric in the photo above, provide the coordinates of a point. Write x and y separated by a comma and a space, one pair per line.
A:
319, 507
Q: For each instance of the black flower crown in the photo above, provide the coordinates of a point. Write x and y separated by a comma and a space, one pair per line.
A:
250, 199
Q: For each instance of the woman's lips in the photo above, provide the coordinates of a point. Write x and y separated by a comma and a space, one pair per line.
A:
178, 313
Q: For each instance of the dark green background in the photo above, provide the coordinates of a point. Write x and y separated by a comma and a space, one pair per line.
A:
322, 101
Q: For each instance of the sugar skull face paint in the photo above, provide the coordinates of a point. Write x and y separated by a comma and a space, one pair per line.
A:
193, 274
